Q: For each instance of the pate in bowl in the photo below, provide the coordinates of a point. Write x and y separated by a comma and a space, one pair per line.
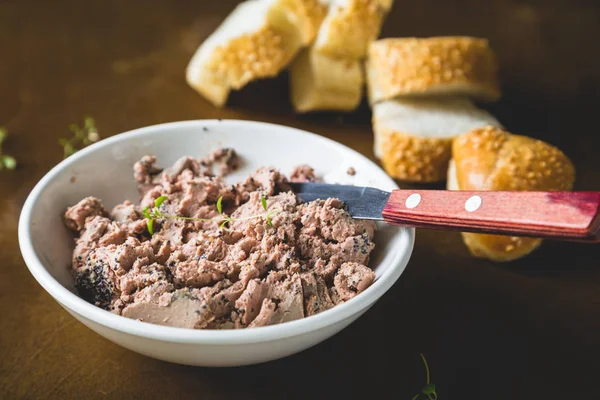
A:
104, 171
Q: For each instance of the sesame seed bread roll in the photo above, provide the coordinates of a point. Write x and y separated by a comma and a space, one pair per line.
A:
457, 66
492, 159
307, 15
321, 83
257, 40
413, 137
349, 27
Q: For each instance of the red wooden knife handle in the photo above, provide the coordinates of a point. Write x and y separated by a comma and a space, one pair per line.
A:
554, 215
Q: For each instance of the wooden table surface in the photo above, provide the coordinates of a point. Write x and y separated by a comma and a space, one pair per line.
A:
524, 330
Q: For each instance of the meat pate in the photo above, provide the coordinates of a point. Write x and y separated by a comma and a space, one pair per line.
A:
253, 271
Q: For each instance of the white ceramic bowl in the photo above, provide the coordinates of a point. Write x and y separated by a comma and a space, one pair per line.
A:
104, 170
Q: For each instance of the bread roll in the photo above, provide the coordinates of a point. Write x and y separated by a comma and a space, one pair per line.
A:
492, 159
456, 66
349, 27
319, 82
257, 40
413, 137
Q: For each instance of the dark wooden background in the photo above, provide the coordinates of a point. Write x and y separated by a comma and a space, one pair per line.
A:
525, 330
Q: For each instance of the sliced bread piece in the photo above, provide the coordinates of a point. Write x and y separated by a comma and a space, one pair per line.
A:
307, 15
456, 66
349, 27
492, 159
257, 40
413, 137
321, 83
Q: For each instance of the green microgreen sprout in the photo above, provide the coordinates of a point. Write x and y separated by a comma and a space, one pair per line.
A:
154, 213
429, 388
6, 161
82, 136
263, 202
220, 205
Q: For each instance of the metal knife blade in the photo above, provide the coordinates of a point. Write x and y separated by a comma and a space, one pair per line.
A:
362, 202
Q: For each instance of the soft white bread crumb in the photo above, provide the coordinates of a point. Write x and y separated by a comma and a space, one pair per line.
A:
257, 40
413, 137
349, 27
456, 66
492, 159
319, 82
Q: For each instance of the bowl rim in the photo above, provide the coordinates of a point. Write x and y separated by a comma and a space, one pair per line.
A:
76, 304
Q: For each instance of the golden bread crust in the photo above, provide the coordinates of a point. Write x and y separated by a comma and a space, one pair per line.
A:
492, 159
421, 66
489, 158
246, 58
499, 248
414, 159
348, 31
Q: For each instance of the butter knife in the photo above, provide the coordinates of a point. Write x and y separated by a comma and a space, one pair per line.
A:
571, 216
